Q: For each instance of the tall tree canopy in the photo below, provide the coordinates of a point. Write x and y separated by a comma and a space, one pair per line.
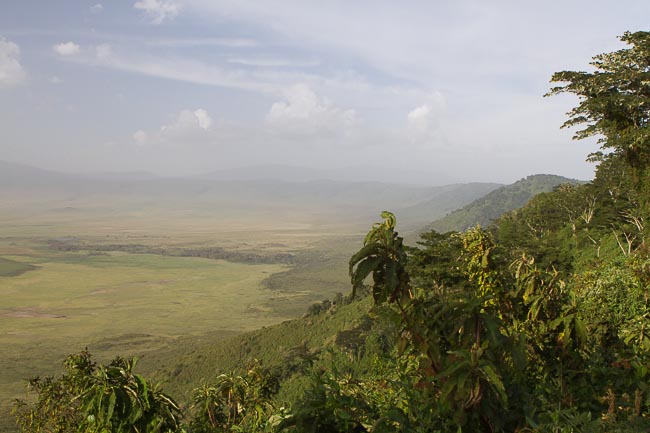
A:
614, 99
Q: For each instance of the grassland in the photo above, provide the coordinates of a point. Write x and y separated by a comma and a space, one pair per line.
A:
122, 303
10, 268
106, 271
56, 302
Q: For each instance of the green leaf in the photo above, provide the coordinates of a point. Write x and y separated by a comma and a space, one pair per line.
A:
496, 382
142, 386
366, 251
111, 406
363, 270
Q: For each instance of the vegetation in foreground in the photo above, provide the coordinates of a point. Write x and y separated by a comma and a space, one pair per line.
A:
538, 324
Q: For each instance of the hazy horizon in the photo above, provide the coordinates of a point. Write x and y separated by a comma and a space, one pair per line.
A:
426, 93
274, 172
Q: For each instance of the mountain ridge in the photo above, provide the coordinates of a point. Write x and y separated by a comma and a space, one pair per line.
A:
491, 206
354, 200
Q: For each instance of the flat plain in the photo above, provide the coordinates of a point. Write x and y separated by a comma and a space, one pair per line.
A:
57, 301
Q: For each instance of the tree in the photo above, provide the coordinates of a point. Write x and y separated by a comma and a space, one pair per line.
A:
614, 99
615, 105
454, 332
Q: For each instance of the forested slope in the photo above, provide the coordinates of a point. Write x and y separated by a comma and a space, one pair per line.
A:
488, 208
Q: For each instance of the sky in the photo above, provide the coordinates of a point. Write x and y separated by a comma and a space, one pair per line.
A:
411, 91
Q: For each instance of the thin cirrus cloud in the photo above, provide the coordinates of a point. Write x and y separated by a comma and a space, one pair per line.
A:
269, 81
266, 74
467, 44
67, 48
389, 37
178, 69
273, 62
203, 42
159, 11
11, 71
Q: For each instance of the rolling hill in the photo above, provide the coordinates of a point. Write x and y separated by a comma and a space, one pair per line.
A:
491, 206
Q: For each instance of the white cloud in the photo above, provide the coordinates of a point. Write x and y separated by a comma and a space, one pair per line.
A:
425, 122
96, 9
11, 71
66, 48
140, 137
303, 112
187, 122
203, 118
186, 127
159, 10
55, 80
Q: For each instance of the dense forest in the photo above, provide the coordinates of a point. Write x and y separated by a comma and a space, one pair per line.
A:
539, 322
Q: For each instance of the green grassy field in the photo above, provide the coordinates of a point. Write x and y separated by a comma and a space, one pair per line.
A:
10, 268
59, 302
122, 304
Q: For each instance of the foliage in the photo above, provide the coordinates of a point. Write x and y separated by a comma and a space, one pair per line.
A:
455, 365
503, 343
614, 99
435, 261
384, 257
235, 402
97, 398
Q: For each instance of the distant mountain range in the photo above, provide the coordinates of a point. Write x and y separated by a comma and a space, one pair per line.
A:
272, 190
358, 173
494, 204
264, 190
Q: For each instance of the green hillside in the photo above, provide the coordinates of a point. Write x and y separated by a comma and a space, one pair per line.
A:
488, 208
282, 348
445, 199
